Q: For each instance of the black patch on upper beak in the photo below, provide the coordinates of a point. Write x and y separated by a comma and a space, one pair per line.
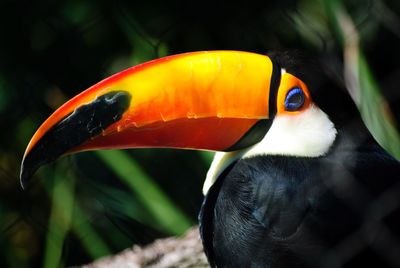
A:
86, 122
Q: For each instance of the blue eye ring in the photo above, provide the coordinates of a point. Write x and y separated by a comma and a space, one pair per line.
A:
294, 99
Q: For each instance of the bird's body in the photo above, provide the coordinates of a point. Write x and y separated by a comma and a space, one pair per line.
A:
298, 180
327, 211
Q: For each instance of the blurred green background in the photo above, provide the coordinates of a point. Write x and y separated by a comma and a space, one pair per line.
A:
98, 203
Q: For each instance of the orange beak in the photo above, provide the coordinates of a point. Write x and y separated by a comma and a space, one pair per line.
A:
215, 100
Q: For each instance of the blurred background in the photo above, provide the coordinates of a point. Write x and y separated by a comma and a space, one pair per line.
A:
98, 203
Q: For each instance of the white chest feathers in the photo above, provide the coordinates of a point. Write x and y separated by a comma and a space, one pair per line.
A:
308, 134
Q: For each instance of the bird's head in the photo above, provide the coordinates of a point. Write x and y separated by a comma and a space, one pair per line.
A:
234, 102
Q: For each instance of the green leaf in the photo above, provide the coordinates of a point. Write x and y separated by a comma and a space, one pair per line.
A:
62, 195
169, 217
66, 216
361, 82
375, 111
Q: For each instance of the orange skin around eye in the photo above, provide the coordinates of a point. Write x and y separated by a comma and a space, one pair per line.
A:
288, 82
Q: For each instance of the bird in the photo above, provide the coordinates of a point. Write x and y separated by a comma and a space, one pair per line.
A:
297, 179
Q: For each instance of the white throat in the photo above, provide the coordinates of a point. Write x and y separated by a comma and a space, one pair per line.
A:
307, 134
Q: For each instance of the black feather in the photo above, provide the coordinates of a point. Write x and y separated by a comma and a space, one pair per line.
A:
276, 211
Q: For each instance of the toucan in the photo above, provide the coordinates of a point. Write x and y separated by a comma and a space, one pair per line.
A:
297, 179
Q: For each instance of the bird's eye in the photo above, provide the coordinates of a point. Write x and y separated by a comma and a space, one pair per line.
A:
294, 99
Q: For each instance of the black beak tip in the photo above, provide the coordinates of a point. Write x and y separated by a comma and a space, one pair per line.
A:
31, 162
86, 122
27, 171
23, 179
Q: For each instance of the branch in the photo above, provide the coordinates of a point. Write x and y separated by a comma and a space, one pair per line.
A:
186, 251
